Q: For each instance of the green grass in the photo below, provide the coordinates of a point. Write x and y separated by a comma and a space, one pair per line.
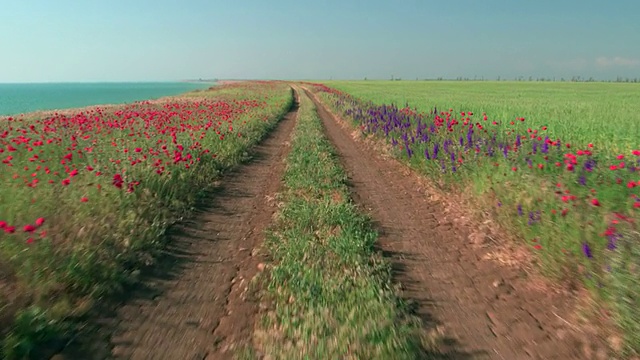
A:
577, 113
605, 114
330, 292
87, 251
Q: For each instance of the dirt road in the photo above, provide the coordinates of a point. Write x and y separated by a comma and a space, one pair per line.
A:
485, 309
197, 306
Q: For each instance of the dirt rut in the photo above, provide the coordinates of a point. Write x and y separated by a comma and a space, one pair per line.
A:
198, 306
484, 309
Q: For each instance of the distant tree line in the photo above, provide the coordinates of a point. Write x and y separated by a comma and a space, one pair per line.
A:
618, 79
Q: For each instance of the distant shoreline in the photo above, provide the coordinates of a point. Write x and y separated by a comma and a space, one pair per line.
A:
76, 110
33, 99
109, 82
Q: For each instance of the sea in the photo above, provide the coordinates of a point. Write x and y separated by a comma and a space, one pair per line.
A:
29, 97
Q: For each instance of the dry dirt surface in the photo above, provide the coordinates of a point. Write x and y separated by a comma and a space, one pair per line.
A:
483, 309
198, 304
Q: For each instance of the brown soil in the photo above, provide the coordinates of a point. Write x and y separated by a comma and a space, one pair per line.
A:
198, 303
484, 307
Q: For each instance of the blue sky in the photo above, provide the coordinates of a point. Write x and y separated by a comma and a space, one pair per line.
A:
144, 40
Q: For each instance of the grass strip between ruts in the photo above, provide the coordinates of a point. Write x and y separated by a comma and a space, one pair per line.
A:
330, 292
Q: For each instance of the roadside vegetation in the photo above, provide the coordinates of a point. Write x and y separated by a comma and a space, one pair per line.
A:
86, 197
558, 165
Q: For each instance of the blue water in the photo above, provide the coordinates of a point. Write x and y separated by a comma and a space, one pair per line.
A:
22, 98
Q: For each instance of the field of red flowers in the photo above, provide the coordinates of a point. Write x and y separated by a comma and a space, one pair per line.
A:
576, 206
85, 198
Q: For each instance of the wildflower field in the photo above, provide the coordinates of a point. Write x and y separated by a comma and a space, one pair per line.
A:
86, 196
558, 164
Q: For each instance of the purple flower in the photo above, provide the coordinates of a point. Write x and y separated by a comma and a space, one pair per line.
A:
612, 241
534, 217
520, 210
589, 165
586, 249
518, 141
545, 145
582, 180
409, 151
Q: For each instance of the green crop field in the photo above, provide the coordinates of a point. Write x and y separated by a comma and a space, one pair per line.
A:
605, 114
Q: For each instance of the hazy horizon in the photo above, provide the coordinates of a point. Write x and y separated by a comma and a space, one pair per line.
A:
165, 41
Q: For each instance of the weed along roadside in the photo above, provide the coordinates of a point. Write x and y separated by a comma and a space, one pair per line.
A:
327, 293
88, 196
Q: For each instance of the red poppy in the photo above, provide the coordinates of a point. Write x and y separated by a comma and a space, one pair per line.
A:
117, 181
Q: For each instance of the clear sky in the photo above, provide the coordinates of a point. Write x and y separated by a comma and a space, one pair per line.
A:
156, 40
